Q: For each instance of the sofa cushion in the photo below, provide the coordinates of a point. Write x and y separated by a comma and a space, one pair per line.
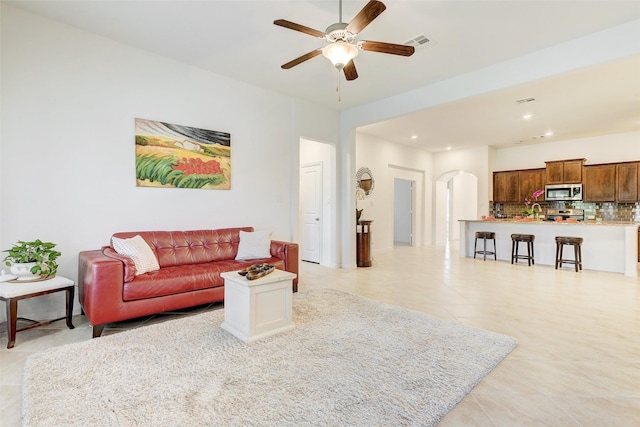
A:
254, 245
186, 278
175, 248
139, 251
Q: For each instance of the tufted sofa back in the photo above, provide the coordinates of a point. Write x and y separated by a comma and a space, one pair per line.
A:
174, 248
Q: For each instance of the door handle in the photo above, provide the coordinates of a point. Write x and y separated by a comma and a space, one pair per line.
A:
317, 219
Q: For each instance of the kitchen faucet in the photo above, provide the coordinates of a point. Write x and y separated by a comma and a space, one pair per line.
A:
534, 211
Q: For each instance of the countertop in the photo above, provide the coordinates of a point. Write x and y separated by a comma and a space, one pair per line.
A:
579, 223
610, 246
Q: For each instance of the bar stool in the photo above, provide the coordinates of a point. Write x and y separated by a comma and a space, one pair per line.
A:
576, 242
484, 235
515, 241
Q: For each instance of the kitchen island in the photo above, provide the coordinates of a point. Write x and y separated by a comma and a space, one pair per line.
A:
609, 246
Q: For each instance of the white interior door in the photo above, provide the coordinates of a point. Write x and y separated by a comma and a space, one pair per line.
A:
402, 211
311, 210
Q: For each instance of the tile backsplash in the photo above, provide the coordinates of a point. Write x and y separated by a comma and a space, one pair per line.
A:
608, 211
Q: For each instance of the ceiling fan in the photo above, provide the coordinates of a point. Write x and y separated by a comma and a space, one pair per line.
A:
342, 45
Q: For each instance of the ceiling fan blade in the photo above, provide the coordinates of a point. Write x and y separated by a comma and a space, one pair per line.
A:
350, 72
302, 58
368, 13
382, 47
297, 27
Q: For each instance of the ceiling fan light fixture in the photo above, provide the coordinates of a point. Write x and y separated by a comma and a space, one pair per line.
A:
340, 53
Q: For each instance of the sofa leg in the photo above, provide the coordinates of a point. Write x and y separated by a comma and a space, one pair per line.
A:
295, 287
97, 330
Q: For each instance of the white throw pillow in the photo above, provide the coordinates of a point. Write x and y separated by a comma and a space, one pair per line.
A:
254, 245
139, 251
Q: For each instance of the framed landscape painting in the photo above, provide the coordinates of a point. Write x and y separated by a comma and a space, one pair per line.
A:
175, 156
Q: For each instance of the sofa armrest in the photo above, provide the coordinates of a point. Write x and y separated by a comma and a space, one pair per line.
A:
100, 286
288, 252
129, 265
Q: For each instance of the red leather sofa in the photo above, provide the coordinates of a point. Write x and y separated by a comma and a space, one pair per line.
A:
190, 266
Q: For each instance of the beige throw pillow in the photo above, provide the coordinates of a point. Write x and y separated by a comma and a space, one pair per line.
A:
254, 245
139, 251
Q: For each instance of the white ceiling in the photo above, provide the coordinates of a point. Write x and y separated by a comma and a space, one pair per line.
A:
238, 39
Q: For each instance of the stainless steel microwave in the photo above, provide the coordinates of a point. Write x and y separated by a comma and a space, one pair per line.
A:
562, 192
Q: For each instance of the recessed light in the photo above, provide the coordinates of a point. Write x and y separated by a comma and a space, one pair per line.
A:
414, 136
448, 148
527, 116
548, 133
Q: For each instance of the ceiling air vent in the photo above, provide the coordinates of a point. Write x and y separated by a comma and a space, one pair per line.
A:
417, 41
525, 100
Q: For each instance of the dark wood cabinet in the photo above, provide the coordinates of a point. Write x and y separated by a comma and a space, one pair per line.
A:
555, 173
611, 182
600, 183
627, 182
573, 171
506, 187
564, 171
531, 180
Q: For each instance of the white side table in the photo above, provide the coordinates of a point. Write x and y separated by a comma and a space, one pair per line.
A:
12, 292
255, 309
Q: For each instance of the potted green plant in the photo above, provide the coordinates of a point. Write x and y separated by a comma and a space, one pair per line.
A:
35, 258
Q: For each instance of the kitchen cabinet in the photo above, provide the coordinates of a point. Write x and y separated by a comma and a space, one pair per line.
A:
506, 187
627, 182
531, 180
564, 171
555, 173
600, 183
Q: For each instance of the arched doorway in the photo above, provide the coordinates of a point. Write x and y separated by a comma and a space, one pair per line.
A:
456, 197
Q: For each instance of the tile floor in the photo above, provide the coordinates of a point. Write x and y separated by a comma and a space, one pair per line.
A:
577, 362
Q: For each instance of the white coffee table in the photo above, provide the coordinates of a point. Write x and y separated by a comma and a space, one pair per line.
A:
12, 292
255, 309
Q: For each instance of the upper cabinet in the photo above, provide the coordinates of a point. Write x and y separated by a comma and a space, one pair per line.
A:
611, 182
555, 173
627, 182
506, 187
600, 183
531, 180
514, 186
564, 171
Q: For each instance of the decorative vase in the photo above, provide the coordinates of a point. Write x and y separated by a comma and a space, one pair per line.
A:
23, 270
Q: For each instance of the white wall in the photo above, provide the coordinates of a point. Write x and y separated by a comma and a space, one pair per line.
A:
464, 201
598, 149
388, 161
69, 100
440, 202
1, 98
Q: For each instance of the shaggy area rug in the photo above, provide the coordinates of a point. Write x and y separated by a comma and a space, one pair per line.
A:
350, 361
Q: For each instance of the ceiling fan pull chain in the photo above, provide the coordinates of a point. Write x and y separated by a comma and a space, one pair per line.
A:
338, 86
